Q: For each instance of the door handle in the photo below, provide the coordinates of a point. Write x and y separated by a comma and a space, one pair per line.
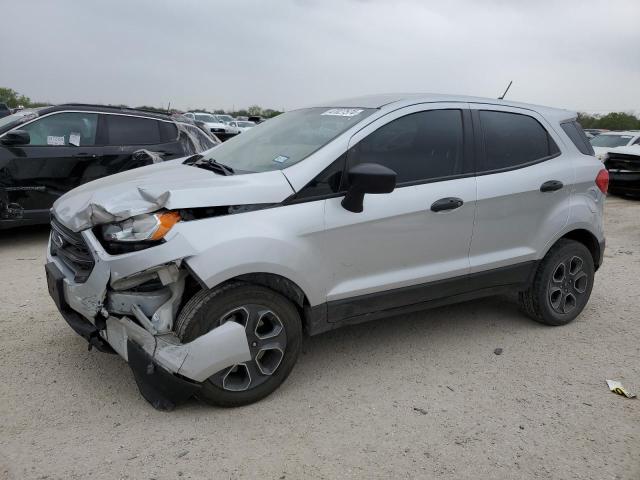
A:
448, 203
551, 186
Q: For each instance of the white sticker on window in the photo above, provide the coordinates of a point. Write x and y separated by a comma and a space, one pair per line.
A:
52, 140
343, 112
625, 136
74, 139
280, 159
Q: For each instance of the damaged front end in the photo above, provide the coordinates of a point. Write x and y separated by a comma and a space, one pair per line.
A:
128, 303
117, 268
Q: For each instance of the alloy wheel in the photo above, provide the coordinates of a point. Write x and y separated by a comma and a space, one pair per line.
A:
567, 285
267, 340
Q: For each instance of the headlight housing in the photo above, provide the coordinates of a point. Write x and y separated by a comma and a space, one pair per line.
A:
146, 227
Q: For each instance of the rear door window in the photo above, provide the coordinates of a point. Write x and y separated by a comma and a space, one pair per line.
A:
128, 130
168, 132
63, 129
513, 140
576, 134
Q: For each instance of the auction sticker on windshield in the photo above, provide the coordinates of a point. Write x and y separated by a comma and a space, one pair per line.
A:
343, 112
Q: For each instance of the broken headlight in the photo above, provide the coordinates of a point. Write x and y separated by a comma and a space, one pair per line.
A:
149, 226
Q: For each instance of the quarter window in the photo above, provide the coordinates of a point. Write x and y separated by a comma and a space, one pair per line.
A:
576, 134
63, 129
418, 147
125, 130
513, 139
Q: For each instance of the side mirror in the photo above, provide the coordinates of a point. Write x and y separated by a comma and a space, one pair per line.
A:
17, 137
367, 178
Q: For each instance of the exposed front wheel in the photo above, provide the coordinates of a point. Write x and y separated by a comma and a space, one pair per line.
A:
562, 285
274, 334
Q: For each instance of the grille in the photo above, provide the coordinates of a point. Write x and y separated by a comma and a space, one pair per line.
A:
72, 250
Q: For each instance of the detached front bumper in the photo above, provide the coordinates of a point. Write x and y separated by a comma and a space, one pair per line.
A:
139, 325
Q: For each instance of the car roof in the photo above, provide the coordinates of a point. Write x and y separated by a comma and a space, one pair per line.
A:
104, 109
396, 100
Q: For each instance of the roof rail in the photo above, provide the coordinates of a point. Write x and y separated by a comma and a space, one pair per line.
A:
114, 107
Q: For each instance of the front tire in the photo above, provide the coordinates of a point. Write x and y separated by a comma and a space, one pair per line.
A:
274, 334
562, 284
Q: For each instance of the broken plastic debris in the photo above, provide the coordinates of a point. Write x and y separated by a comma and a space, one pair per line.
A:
616, 387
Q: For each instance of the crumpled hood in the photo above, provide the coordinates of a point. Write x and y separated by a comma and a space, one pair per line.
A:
167, 185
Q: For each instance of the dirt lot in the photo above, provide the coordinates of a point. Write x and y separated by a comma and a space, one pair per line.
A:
412, 397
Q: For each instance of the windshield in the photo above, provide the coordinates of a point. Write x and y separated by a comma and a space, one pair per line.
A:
286, 139
226, 118
611, 140
205, 117
245, 124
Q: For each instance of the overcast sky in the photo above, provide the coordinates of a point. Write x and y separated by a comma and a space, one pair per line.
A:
582, 55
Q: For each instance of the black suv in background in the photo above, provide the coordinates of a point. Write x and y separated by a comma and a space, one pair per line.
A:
49, 151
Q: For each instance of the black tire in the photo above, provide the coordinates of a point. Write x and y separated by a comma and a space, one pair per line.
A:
561, 286
257, 306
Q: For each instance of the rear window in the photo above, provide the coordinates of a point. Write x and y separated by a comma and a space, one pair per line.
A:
514, 139
125, 130
576, 134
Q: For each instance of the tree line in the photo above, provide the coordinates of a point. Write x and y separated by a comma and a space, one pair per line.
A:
14, 99
610, 121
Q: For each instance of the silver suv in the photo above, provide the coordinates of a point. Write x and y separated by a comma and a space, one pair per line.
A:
203, 273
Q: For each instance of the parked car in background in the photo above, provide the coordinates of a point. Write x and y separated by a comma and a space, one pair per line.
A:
214, 124
255, 119
4, 110
224, 117
604, 142
48, 151
595, 131
320, 218
623, 164
242, 126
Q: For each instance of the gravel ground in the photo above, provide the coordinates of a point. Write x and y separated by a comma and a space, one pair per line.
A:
418, 396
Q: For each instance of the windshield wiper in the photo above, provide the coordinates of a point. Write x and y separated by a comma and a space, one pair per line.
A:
209, 164
192, 159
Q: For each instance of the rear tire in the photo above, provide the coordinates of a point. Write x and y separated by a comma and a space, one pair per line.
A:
274, 334
561, 286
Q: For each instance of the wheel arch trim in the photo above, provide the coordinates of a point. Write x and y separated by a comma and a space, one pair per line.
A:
584, 234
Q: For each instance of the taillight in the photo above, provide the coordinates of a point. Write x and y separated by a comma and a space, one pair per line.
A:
602, 180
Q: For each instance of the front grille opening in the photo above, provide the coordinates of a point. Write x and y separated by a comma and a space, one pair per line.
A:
72, 250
